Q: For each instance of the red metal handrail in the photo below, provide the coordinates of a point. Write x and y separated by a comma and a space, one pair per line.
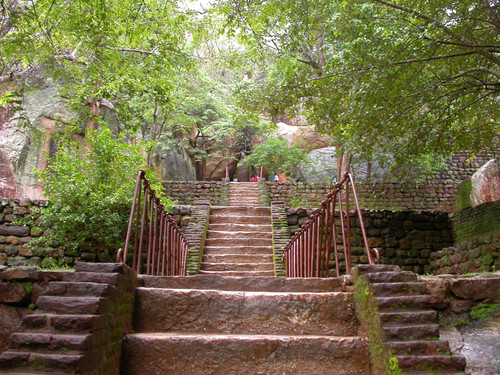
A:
307, 254
160, 248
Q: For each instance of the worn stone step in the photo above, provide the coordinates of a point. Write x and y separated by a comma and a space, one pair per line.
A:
434, 364
237, 266
238, 258
389, 277
61, 342
411, 332
404, 303
60, 288
154, 354
236, 241
101, 267
92, 277
251, 284
215, 311
399, 288
212, 234
240, 220
408, 317
420, 347
231, 227
238, 273
62, 322
42, 362
238, 211
374, 268
238, 249
70, 305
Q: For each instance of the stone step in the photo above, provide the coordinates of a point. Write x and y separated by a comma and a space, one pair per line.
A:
433, 364
389, 277
251, 284
70, 305
238, 211
92, 277
258, 233
260, 220
404, 303
420, 347
408, 317
238, 273
41, 362
62, 323
231, 227
209, 250
215, 311
51, 341
237, 241
60, 288
237, 266
155, 354
237, 258
399, 288
411, 332
374, 268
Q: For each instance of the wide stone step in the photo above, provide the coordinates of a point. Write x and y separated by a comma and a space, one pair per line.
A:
237, 211
238, 250
399, 288
433, 364
404, 303
155, 354
408, 317
214, 311
238, 258
251, 284
240, 220
237, 266
374, 268
231, 227
229, 242
420, 347
92, 277
238, 273
389, 277
212, 234
411, 332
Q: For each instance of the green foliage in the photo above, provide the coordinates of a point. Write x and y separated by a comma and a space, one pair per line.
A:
90, 189
402, 77
462, 200
276, 154
485, 310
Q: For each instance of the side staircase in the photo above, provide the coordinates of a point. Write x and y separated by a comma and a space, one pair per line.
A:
212, 324
409, 323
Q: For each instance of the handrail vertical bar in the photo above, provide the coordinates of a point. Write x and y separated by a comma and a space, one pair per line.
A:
348, 230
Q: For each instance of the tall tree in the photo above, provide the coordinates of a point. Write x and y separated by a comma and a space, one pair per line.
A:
406, 78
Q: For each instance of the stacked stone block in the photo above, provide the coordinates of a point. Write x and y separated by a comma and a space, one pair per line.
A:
196, 233
281, 236
187, 192
79, 325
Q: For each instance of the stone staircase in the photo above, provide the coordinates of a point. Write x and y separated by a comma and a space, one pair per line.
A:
239, 242
212, 324
409, 323
244, 194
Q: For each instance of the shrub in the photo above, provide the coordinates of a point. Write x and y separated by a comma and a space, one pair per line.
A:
90, 187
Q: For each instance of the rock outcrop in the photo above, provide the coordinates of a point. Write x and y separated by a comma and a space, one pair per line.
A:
486, 184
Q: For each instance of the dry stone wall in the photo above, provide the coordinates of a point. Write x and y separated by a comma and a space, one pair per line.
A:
188, 192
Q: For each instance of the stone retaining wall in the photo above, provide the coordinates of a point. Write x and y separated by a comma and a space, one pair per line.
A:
187, 192
406, 239
15, 236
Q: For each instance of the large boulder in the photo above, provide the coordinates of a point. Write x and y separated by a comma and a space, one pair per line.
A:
486, 184
176, 165
308, 138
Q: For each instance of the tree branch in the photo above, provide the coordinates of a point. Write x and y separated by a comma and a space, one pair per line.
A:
491, 14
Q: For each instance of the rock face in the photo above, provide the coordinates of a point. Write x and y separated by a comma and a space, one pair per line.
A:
306, 137
176, 166
486, 184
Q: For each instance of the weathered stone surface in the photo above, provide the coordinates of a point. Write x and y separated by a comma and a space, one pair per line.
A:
10, 322
12, 293
486, 184
163, 310
438, 289
477, 287
21, 273
195, 354
14, 230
